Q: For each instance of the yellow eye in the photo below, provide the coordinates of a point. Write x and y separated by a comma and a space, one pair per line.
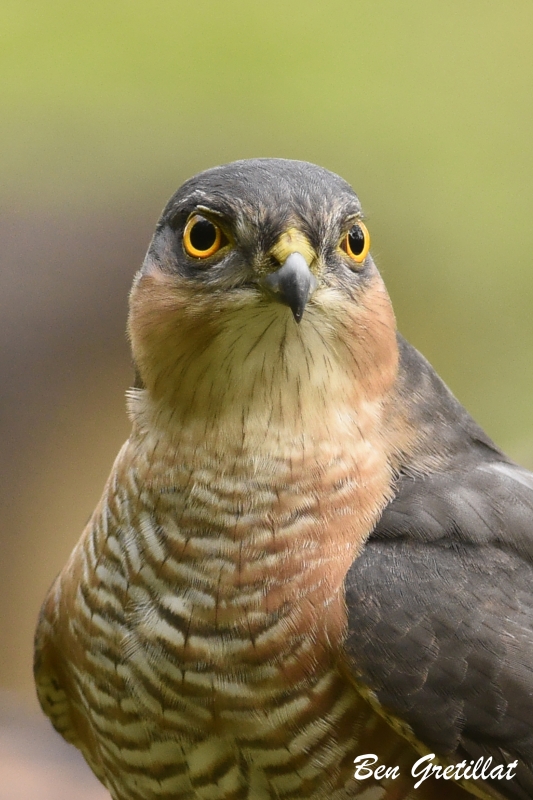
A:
201, 237
356, 243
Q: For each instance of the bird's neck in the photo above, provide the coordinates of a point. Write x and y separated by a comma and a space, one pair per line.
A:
245, 375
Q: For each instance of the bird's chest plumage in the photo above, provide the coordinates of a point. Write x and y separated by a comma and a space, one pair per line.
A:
225, 651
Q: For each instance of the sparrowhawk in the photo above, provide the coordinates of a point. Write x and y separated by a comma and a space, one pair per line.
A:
307, 551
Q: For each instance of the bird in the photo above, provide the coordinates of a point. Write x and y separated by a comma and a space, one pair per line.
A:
310, 574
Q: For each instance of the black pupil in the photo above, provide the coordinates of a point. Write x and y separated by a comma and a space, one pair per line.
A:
356, 237
203, 234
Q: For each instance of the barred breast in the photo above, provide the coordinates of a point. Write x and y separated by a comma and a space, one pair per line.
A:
203, 615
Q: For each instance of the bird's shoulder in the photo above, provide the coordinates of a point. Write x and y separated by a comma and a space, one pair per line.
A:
440, 608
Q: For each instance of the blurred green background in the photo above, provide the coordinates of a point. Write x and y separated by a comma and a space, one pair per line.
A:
106, 107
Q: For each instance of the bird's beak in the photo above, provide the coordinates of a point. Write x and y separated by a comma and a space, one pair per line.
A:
293, 283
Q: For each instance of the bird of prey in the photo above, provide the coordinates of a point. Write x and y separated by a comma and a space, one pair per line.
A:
310, 575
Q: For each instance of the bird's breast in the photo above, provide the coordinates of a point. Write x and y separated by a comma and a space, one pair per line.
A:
212, 614
229, 575
231, 571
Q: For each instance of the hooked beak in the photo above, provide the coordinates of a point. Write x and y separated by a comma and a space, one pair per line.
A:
293, 284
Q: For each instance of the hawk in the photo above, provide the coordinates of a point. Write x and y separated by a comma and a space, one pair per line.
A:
310, 573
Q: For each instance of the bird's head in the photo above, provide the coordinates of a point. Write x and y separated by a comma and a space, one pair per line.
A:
258, 291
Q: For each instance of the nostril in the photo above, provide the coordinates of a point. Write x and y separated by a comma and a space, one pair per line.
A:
272, 263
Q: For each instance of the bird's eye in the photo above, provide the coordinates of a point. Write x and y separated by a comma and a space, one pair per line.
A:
356, 243
201, 237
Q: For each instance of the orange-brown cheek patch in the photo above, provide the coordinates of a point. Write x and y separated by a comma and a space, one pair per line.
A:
167, 322
374, 339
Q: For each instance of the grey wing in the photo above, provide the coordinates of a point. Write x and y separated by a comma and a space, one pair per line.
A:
440, 610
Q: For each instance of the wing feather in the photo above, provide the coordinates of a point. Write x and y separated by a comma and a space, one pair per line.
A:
440, 602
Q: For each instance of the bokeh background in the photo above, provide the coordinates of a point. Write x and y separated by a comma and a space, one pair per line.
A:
106, 107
